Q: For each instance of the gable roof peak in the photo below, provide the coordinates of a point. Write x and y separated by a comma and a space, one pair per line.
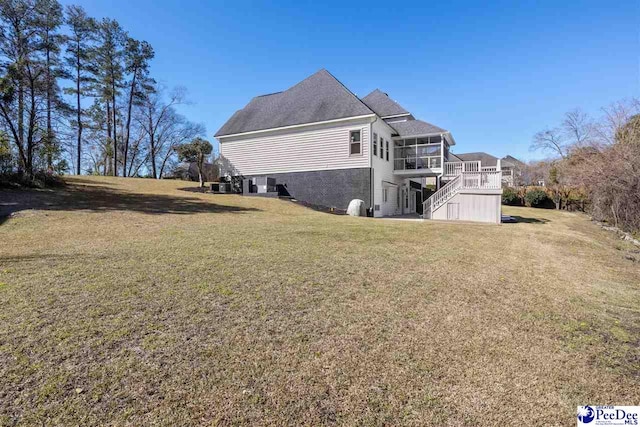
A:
319, 97
383, 105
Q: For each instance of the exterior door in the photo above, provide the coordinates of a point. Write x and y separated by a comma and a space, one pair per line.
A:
408, 202
453, 211
392, 201
418, 199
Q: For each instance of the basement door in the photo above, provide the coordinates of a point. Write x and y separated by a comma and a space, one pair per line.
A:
453, 211
409, 201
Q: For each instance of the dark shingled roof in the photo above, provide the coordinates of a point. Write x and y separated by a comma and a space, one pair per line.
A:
512, 161
454, 158
384, 106
416, 128
486, 159
317, 98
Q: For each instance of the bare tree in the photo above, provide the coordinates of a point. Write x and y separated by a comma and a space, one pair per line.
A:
138, 150
616, 116
165, 129
550, 140
578, 128
610, 171
535, 172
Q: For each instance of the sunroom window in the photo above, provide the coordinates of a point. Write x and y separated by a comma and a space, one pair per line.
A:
418, 153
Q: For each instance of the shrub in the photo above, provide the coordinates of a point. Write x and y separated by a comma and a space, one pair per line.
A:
537, 198
40, 179
510, 197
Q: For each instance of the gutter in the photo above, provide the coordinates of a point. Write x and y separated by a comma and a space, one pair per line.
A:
295, 126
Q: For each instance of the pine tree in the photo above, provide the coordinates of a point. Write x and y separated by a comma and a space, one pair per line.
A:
22, 83
110, 73
137, 57
80, 49
48, 16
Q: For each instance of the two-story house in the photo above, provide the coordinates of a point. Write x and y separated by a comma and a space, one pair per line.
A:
325, 146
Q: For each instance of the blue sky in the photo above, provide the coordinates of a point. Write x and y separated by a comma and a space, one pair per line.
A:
493, 74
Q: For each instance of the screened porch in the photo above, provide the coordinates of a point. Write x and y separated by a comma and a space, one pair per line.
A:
420, 156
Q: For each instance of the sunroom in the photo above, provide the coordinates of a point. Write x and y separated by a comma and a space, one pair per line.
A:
420, 155
420, 148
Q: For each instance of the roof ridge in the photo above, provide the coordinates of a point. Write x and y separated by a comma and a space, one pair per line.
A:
267, 94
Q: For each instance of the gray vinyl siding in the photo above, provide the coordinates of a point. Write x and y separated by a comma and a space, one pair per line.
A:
320, 147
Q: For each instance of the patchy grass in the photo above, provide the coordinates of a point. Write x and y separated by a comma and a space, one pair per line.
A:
135, 302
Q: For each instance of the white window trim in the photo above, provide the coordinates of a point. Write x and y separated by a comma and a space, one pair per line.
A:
361, 153
375, 144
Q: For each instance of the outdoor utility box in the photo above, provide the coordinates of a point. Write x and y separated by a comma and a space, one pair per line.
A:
265, 184
246, 186
221, 187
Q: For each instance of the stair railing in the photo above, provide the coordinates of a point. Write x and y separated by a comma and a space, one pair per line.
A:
441, 196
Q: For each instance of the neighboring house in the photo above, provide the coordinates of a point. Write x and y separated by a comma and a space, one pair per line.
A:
512, 170
325, 146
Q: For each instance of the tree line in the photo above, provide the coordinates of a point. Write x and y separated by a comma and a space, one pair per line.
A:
77, 95
596, 160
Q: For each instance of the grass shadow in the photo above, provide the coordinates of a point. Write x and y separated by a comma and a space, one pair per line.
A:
100, 198
201, 190
527, 220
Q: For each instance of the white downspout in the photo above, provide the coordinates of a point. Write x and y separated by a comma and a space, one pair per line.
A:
373, 193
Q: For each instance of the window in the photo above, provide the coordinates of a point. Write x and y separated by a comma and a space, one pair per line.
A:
375, 144
385, 194
387, 142
381, 148
355, 144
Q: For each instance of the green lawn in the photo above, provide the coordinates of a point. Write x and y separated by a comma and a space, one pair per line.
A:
129, 301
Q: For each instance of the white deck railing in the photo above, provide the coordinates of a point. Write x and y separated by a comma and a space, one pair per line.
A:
456, 168
478, 180
485, 180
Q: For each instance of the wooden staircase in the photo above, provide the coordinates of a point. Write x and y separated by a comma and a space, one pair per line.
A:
462, 176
